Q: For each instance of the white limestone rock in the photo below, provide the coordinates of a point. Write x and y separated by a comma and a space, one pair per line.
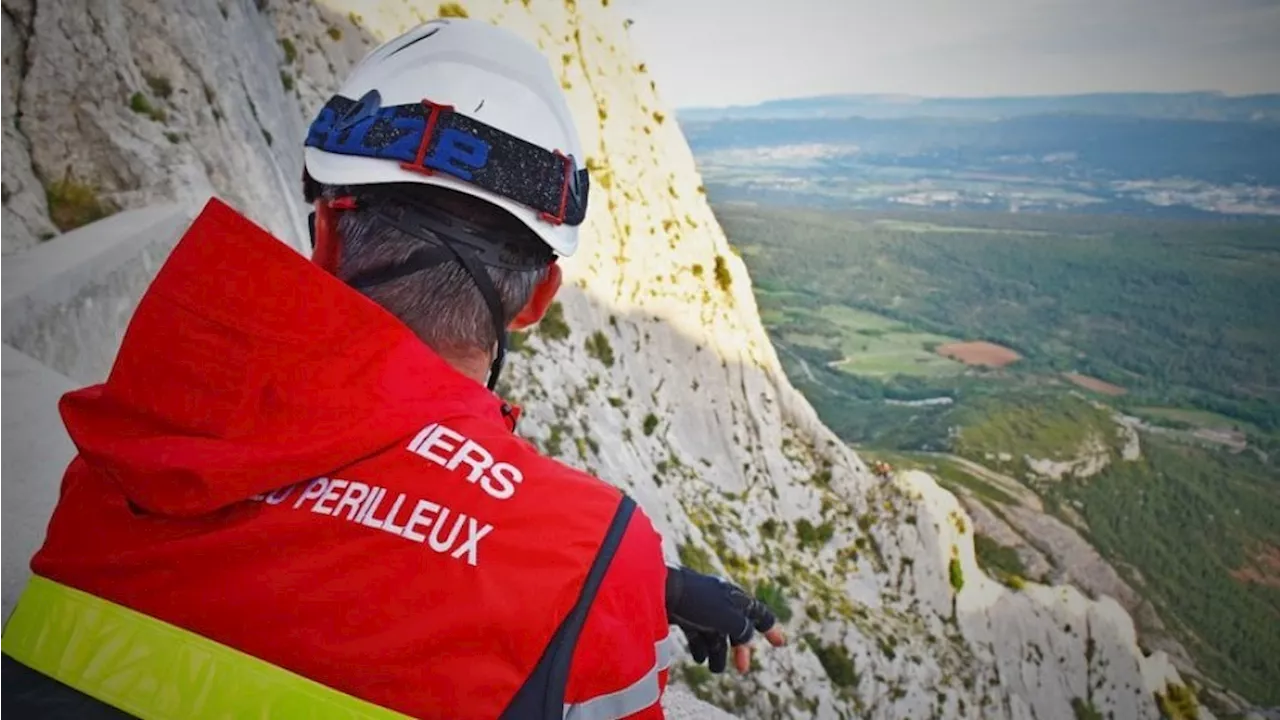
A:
212, 114
1092, 457
26, 214
681, 704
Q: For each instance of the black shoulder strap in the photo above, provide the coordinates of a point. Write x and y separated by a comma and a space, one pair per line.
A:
542, 695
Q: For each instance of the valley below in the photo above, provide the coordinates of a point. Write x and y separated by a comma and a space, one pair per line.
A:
1034, 366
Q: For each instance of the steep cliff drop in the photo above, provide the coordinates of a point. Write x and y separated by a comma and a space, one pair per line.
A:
656, 374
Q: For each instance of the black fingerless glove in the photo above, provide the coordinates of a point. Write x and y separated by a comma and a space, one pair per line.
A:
713, 613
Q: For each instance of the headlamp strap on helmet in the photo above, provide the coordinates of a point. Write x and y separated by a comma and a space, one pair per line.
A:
428, 132
431, 138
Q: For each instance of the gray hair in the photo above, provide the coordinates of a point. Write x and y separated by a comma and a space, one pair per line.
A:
441, 304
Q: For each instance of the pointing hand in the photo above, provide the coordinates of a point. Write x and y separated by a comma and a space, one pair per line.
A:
716, 614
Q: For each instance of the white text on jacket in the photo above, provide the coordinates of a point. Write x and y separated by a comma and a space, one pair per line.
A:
422, 521
450, 449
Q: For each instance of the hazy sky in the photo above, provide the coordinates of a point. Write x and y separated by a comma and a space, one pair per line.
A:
718, 52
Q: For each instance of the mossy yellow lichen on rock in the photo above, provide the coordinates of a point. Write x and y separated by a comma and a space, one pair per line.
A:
160, 85
598, 347
723, 278
1178, 702
650, 424
140, 104
553, 325
73, 203
452, 9
956, 575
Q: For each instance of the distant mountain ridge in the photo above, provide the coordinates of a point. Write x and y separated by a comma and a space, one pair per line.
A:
1184, 106
1086, 146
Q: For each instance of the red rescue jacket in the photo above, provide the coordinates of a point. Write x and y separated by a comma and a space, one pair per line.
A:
279, 465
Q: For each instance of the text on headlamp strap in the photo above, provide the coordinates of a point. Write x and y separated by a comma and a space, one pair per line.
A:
435, 138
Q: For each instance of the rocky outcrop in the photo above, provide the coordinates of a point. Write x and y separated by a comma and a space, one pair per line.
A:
26, 214
995, 525
1055, 551
665, 383
1092, 457
1130, 442
129, 103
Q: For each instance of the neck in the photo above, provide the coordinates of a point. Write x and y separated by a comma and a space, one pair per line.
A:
472, 363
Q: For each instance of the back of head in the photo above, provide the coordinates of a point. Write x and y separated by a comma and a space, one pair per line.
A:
442, 304
455, 137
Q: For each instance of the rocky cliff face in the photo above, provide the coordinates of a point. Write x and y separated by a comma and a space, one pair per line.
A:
659, 375
111, 104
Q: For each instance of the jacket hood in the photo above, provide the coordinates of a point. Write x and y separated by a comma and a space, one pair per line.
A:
247, 368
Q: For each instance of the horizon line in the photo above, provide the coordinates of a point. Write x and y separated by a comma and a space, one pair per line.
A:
1002, 96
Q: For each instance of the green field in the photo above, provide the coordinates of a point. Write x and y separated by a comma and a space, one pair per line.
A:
1180, 313
854, 341
1193, 418
927, 227
878, 346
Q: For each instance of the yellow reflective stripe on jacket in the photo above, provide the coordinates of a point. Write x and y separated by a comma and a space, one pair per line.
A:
152, 669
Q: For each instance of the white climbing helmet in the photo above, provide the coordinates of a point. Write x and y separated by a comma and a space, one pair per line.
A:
508, 137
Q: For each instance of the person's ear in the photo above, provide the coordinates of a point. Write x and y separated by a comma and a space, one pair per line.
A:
541, 299
326, 244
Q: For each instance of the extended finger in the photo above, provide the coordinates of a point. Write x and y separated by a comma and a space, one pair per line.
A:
776, 637
742, 658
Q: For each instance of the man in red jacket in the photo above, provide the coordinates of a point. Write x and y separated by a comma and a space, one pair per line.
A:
296, 494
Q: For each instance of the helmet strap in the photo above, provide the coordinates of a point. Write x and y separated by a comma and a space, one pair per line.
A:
485, 284
431, 255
